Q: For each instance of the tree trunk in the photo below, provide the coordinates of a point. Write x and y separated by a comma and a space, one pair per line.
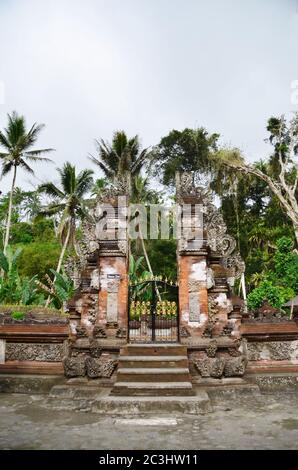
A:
7, 232
64, 246
63, 249
296, 233
284, 194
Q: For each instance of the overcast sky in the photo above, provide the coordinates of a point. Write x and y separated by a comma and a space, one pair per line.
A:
88, 67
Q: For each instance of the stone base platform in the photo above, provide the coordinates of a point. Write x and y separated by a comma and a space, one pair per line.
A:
275, 381
89, 398
93, 396
31, 384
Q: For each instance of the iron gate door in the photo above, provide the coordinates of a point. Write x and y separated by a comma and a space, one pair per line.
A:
153, 311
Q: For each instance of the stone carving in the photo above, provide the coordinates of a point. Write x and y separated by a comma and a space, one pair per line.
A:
112, 307
235, 265
121, 186
210, 282
93, 308
121, 333
194, 285
210, 367
212, 348
217, 238
99, 332
212, 307
208, 331
123, 246
188, 185
272, 350
203, 366
235, 367
44, 352
95, 350
227, 329
74, 367
184, 333
194, 307
93, 242
81, 331
102, 367
217, 367
234, 352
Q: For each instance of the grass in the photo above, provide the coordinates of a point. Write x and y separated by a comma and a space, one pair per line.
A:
26, 309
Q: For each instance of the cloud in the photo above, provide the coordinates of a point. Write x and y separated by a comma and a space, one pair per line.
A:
88, 68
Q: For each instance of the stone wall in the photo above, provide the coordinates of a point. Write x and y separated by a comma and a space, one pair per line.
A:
36, 345
272, 351
35, 352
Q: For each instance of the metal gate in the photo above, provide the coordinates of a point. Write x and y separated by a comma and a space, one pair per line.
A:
153, 311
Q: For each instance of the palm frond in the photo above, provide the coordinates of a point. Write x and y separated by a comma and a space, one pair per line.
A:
84, 182
51, 190
68, 177
16, 129
34, 155
25, 166
6, 167
52, 209
33, 133
108, 172
139, 161
4, 142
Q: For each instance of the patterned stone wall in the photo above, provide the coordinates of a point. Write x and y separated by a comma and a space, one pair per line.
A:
272, 351
35, 352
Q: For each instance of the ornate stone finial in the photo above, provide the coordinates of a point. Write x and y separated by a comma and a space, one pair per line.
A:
214, 228
121, 186
188, 186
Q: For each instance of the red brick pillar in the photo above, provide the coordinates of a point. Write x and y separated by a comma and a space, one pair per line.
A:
193, 294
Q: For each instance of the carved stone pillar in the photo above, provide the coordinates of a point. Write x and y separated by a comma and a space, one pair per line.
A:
207, 264
101, 272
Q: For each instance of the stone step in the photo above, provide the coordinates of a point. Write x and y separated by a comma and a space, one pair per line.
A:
150, 374
153, 361
152, 389
154, 349
61, 392
105, 404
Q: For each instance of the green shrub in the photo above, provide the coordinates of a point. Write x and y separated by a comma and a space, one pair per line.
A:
18, 315
268, 292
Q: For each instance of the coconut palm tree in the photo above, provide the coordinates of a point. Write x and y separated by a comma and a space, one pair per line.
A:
120, 156
18, 141
68, 201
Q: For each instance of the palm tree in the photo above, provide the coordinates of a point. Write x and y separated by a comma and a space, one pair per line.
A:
17, 142
68, 202
120, 156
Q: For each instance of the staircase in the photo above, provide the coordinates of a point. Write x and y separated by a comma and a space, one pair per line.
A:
153, 370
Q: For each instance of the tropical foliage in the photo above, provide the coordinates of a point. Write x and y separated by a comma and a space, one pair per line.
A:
38, 228
17, 143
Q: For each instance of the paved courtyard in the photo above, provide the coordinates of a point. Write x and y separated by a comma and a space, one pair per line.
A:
265, 422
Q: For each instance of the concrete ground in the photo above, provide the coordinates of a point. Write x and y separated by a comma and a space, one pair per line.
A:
264, 422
